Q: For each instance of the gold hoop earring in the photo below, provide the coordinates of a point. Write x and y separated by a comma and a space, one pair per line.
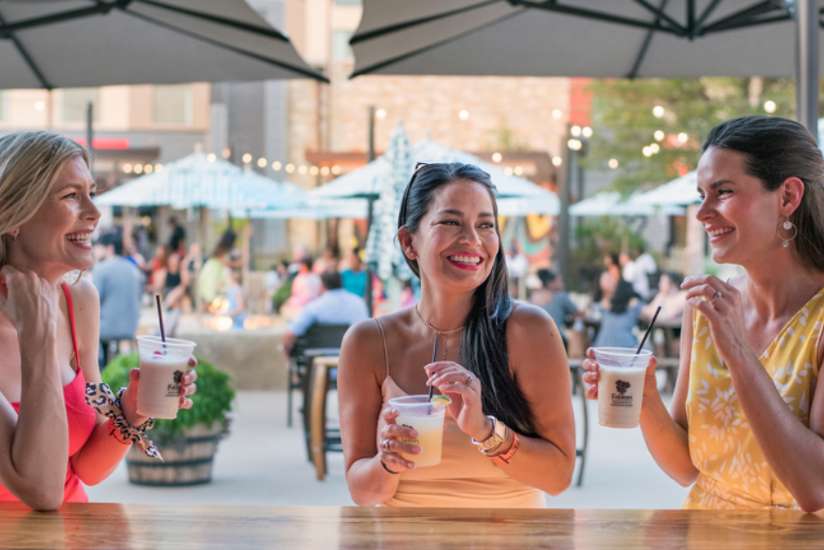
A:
790, 227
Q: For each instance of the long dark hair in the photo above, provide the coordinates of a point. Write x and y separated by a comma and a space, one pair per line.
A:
483, 348
776, 149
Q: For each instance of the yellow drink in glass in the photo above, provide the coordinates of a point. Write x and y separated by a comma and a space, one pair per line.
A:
417, 412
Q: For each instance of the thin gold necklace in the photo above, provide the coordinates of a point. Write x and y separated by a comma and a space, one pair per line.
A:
439, 334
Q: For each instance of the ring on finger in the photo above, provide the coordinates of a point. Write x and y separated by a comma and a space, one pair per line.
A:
717, 295
385, 445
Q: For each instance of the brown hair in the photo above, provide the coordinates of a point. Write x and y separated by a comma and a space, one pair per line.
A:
776, 149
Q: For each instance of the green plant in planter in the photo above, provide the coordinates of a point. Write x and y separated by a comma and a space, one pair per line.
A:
211, 403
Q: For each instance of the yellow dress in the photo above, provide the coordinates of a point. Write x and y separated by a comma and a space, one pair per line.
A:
733, 472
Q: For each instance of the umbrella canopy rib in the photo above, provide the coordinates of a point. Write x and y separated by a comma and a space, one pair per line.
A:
21, 49
269, 33
434, 45
100, 8
229, 47
642, 52
678, 29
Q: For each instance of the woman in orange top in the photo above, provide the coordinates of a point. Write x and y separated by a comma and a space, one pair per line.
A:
51, 440
509, 431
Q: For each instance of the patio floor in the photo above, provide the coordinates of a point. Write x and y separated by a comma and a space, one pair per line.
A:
263, 462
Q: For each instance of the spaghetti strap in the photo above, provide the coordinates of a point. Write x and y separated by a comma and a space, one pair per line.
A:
72, 325
385, 349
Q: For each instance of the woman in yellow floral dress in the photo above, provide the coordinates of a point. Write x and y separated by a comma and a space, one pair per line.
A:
746, 425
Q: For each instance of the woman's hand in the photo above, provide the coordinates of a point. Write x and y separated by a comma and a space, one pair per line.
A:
592, 374
464, 389
187, 388
721, 304
394, 440
32, 304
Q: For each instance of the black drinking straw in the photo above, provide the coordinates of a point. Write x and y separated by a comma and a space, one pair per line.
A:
160, 320
434, 358
649, 329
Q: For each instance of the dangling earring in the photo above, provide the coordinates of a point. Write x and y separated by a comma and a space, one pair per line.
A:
792, 229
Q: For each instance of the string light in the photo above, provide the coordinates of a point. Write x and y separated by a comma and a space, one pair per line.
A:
336, 170
497, 157
211, 157
518, 171
324, 171
463, 114
770, 106
557, 161
302, 169
658, 111
262, 162
381, 113
138, 168
276, 166
683, 137
613, 163
148, 168
655, 148
587, 132
557, 114
246, 158
575, 131
574, 144
127, 168
290, 168
659, 135
314, 171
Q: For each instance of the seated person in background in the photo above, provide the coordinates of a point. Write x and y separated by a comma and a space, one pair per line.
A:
619, 308
670, 297
334, 306
306, 286
509, 433
355, 276
553, 299
235, 304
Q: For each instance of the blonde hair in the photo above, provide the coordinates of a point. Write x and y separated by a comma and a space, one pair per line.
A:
29, 163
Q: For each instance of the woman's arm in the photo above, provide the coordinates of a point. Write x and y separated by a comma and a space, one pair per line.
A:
794, 451
102, 452
666, 433
34, 444
360, 374
539, 364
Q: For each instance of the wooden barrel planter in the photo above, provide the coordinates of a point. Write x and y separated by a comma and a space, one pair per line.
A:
186, 461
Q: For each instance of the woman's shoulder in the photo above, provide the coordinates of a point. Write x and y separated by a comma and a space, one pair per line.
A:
528, 321
84, 293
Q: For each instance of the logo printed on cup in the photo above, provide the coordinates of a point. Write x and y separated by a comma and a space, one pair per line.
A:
621, 399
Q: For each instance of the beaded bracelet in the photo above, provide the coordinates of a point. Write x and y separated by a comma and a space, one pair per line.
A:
101, 398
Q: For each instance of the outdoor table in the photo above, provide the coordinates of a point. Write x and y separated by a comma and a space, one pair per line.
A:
103, 526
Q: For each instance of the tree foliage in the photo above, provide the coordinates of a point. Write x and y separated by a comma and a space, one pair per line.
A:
624, 122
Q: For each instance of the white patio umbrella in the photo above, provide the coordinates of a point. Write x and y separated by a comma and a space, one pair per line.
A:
682, 191
201, 181
613, 204
597, 38
528, 198
69, 43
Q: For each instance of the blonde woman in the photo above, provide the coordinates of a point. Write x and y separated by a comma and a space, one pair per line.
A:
51, 440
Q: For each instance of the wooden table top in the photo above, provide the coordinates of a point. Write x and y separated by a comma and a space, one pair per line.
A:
103, 526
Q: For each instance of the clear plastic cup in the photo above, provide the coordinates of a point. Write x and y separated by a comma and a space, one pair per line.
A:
416, 411
162, 365
621, 385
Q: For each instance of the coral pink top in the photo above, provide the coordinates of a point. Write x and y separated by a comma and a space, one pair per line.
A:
81, 418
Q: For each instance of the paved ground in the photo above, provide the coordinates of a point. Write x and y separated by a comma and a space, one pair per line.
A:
263, 462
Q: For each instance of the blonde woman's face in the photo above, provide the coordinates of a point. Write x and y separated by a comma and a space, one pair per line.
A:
58, 238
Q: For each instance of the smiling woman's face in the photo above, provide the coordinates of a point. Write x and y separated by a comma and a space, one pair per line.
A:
456, 242
57, 239
739, 214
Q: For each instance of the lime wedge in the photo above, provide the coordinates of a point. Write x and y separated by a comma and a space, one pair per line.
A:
440, 401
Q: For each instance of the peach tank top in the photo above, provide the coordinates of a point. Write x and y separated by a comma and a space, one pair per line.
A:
464, 478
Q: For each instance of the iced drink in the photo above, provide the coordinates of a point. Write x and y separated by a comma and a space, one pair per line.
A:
162, 365
620, 386
417, 412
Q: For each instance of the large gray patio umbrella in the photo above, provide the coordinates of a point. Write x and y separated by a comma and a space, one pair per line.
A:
72, 43
597, 38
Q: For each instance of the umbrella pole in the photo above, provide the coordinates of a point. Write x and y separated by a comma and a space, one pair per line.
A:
806, 65
370, 214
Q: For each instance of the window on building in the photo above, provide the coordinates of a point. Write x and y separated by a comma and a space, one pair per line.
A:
73, 103
340, 45
173, 105
348, 2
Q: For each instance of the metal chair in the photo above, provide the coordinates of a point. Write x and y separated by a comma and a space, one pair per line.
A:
319, 339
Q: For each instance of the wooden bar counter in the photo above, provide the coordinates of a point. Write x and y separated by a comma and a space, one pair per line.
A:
104, 526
